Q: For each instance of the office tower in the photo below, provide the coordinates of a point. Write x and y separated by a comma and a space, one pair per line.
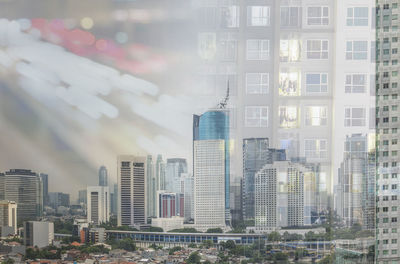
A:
45, 181
211, 166
25, 188
131, 190
173, 170
103, 176
38, 234
160, 173
114, 200
82, 196
187, 191
151, 187
8, 217
256, 153
356, 200
285, 195
236, 201
57, 199
170, 204
98, 204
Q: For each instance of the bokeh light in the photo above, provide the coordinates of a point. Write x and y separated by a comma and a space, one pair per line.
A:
87, 22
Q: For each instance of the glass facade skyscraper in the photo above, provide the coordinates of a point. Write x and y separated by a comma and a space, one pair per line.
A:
214, 125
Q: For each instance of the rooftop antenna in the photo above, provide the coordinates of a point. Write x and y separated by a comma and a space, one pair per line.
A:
224, 102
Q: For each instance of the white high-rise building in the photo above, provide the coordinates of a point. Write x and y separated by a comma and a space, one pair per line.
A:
209, 184
8, 215
284, 196
132, 190
98, 204
38, 234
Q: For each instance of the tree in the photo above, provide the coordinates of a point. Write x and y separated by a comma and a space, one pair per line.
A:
193, 258
127, 244
230, 244
280, 256
207, 243
8, 261
192, 245
214, 230
155, 229
184, 230
174, 249
274, 236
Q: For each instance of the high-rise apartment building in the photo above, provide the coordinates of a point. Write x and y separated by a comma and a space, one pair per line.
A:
285, 195
8, 215
387, 95
301, 73
132, 190
98, 204
25, 188
256, 153
103, 176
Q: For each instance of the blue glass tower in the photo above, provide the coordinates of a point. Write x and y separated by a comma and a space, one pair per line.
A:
214, 125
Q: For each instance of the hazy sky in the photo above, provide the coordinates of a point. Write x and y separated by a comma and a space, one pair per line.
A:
82, 83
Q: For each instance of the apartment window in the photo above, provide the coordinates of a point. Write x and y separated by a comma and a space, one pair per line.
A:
289, 50
257, 49
290, 16
227, 48
356, 50
288, 117
316, 116
356, 83
317, 49
394, 197
354, 116
394, 186
394, 219
316, 148
256, 116
357, 16
316, 82
289, 83
318, 16
258, 16
230, 16
385, 187
257, 83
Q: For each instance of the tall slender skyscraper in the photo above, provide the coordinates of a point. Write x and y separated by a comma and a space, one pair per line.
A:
45, 181
103, 176
132, 190
211, 169
150, 180
25, 188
